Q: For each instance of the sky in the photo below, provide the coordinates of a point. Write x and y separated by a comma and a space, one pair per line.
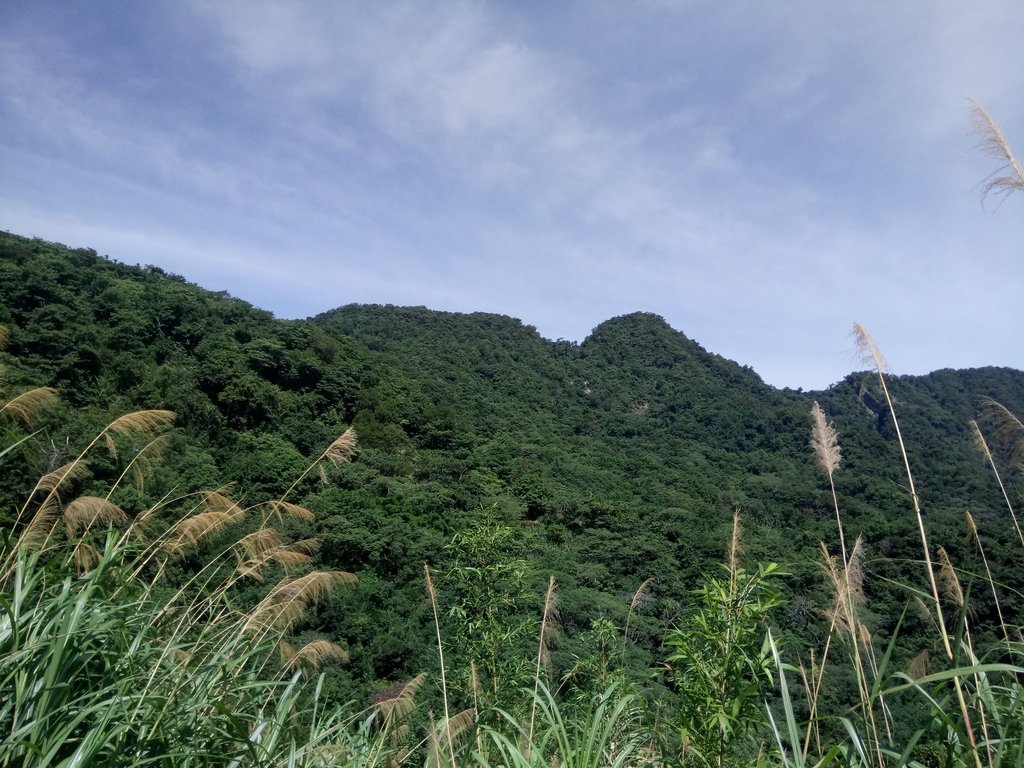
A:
761, 174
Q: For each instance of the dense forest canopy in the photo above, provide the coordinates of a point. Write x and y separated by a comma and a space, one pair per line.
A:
487, 449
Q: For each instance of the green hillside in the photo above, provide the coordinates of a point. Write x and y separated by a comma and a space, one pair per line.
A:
491, 453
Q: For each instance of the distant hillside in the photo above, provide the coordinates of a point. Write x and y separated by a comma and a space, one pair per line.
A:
617, 459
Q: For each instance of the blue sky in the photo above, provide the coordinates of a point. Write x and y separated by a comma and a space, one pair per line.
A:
760, 174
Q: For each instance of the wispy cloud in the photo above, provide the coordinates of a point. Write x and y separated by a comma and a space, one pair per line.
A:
751, 171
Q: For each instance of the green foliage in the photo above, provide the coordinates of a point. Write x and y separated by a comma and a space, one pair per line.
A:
608, 733
722, 667
605, 463
486, 589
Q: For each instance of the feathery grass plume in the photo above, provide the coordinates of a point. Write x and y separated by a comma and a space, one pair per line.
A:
1008, 177
342, 449
146, 422
634, 604
260, 541
217, 501
27, 406
924, 613
305, 546
279, 508
189, 531
824, 441
290, 598
920, 665
397, 702
735, 546
950, 582
868, 350
38, 530
448, 730
86, 511
53, 482
315, 653
4, 336
432, 596
847, 589
288, 556
825, 444
85, 557
394, 704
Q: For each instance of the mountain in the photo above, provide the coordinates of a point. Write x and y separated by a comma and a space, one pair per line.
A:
617, 459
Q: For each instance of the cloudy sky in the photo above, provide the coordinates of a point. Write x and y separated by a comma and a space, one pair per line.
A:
762, 174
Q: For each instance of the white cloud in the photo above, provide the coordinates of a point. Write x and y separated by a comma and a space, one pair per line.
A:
748, 171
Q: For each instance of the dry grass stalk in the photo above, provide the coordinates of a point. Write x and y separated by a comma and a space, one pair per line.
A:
432, 596
27, 406
638, 598
548, 618
972, 527
338, 452
869, 350
86, 511
1008, 177
1009, 430
146, 459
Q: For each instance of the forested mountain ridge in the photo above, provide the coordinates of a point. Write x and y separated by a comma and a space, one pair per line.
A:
616, 459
